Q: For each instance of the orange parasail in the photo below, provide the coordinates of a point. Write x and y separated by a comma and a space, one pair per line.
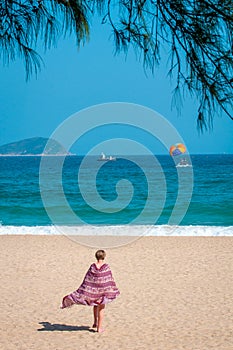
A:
177, 149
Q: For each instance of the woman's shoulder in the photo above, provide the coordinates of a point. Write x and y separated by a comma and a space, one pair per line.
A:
104, 266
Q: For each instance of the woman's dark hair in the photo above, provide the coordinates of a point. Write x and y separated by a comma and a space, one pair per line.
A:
100, 254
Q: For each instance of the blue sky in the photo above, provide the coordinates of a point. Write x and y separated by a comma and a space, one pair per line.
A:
72, 80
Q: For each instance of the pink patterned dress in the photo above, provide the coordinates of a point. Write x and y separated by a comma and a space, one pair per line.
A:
98, 287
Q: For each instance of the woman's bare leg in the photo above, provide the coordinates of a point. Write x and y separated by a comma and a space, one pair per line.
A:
100, 318
95, 314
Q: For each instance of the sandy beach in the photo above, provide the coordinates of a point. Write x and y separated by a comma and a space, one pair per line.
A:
176, 294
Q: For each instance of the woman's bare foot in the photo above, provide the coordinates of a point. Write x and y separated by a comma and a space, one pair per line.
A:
100, 330
94, 325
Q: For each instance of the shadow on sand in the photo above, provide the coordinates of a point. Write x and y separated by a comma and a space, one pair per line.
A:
50, 327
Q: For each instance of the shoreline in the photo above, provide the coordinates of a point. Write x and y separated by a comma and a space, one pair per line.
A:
119, 230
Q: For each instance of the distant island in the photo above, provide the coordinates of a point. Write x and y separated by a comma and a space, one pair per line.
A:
34, 146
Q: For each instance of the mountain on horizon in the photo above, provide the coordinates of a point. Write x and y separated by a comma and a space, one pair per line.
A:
33, 146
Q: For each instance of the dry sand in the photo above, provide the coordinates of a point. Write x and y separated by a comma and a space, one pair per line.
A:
176, 293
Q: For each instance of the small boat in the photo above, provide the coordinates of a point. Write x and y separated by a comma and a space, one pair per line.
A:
104, 158
183, 163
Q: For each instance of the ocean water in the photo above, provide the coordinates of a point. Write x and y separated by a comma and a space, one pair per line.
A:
138, 191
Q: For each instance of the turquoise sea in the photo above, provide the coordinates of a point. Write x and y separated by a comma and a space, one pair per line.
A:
95, 198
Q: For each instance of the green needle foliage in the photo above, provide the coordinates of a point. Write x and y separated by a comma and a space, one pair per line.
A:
198, 35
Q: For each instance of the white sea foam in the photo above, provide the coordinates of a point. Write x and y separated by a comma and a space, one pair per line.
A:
121, 230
